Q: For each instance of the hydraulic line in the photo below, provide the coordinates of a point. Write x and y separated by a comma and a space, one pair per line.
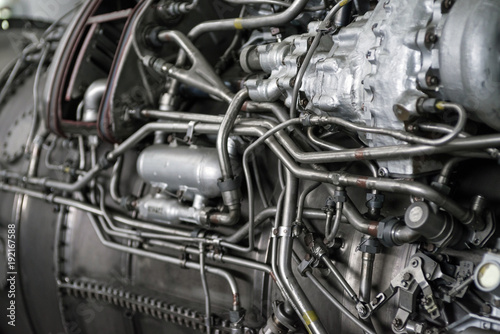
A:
334, 300
299, 298
338, 276
167, 259
331, 233
397, 134
302, 199
203, 275
247, 23
115, 181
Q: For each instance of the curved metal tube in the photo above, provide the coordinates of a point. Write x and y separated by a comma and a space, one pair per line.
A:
335, 302
298, 296
225, 129
250, 22
397, 134
165, 258
92, 100
388, 152
331, 233
410, 188
200, 75
332, 147
114, 183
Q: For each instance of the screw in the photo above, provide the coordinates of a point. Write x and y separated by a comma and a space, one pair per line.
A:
414, 263
383, 172
428, 276
275, 232
431, 37
432, 80
303, 102
407, 276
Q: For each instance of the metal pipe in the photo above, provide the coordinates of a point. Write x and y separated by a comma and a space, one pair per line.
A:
333, 147
114, 183
165, 258
405, 187
410, 188
225, 129
443, 128
344, 155
302, 200
366, 277
389, 152
266, 214
338, 276
336, 303
365, 284
92, 99
444, 176
36, 109
81, 152
330, 234
205, 289
252, 22
299, 298
200, 75
397, 134
35, 154
94, 210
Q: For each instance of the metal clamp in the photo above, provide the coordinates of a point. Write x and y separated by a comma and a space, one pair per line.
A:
284, 231
190, 132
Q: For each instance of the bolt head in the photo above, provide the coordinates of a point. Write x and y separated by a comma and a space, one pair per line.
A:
361, 309
383, 172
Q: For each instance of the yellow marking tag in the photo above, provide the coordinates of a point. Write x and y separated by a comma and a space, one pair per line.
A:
310, 317
344, 2
237, 24
440, 105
